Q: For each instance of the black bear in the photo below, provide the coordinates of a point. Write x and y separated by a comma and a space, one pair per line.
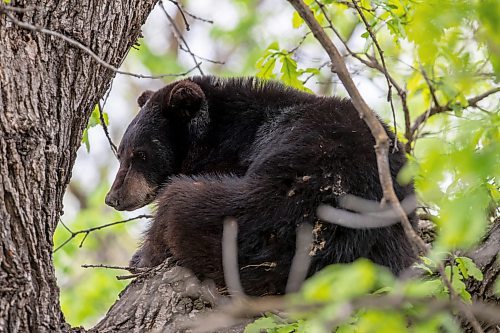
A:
206, 148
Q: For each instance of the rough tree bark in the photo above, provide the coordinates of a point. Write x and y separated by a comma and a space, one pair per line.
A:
48, 89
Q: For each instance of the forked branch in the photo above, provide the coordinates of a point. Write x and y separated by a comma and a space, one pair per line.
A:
376, 128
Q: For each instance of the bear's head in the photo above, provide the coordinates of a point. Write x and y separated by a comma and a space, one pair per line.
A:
156, 141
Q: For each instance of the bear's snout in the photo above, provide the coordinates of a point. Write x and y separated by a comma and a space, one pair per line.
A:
111, 200
130, 191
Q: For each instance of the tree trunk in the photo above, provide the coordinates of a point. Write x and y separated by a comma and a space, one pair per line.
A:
48, 89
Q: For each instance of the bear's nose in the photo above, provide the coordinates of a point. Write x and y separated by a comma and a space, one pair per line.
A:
111, 200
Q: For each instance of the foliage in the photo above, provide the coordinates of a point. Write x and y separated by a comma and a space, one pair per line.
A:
289, 73
376, 302
441, 53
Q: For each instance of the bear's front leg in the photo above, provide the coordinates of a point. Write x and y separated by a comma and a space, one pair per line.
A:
154, 248
188, 223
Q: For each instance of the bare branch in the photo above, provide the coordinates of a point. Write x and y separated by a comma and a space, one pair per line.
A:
86, 232
178, 36
85, 49
181, 11
236, 312
105, 129
239, 309
384, 68
301, 259
472, 102
125, 268
4, 6
376, 128
184, 11
431, 87
373, 63
230, 257
217, 62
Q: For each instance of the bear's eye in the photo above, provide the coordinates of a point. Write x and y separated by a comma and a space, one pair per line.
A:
140, 155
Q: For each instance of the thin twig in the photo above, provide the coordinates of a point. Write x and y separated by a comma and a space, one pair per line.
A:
385, 70
431, 87
130, 276
89, 230
108, 93
181, 8
369, 219
472, 102
178, 36
369, 207
320, 67
105, 129
136, 271
299, 44
125, 268
217, 62
373, 63
181, 11
85, 49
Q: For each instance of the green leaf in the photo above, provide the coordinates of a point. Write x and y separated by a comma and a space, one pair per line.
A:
378, 321
334, 283
261, 324
497, 287
468, 268
289, 71
85, 139
297, 21
416, 288
457, 283
267, 68
274, 46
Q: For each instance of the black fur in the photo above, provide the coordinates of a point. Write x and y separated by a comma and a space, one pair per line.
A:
267, 155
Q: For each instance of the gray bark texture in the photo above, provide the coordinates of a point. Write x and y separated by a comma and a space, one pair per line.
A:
48, 89
165, 299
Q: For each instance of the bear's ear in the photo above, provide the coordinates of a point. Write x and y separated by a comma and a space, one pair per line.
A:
185, 100
145, 96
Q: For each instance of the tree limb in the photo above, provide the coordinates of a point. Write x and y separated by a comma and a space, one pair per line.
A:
376, 128
472, 102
